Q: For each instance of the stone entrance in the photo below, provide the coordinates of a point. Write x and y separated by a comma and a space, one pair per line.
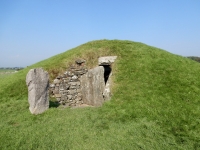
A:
107, 71
78, 86
107, 62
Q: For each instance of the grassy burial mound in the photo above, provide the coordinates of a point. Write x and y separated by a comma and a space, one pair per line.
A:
155, 103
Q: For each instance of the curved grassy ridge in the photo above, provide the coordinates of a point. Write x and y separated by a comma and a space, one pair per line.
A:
155, 103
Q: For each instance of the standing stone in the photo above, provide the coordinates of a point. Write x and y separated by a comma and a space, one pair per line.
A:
92, 86
37, 81
107, 92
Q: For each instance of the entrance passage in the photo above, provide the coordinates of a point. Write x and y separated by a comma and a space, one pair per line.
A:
107, 71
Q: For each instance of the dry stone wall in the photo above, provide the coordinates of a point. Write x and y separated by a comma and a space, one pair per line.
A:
66, 88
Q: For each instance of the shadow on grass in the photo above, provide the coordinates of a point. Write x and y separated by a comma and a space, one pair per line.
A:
53, 104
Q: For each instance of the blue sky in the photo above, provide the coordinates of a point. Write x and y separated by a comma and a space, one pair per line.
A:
33, 30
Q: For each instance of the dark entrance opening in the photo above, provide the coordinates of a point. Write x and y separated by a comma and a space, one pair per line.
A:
107, 71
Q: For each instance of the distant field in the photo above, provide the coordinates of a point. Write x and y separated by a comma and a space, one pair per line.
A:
6, 72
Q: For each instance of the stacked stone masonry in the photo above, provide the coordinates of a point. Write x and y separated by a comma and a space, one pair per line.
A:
66, 88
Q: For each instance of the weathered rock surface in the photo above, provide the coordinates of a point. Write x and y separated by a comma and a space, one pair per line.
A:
37, 81
92, 86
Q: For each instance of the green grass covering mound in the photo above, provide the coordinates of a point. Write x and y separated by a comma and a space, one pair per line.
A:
155, 103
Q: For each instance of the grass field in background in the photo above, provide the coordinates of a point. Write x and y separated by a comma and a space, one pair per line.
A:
6, 72
155, 103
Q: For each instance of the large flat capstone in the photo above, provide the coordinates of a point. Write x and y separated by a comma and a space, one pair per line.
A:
107, 60
92, 86
37, 81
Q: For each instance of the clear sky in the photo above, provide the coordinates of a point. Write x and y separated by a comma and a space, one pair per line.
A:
33, 30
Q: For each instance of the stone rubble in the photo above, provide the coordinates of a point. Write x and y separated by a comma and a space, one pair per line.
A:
66, 88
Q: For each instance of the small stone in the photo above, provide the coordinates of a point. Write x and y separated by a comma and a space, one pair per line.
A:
71, 92
72, 87
72, 67
78, 99
57, 95
66, 86
55, 92
63, 94
80, 61
56, 81
62, 98
72, 83
78, 90
52, 85
69, 96
61, 85
65, 81
57, 88
78, 72
74, 77
69, 73
72, 105
79, 94
58, 77
67, 104
58, 99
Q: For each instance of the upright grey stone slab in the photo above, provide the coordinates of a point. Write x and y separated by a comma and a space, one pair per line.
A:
92, 86
37, 81
107, 91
